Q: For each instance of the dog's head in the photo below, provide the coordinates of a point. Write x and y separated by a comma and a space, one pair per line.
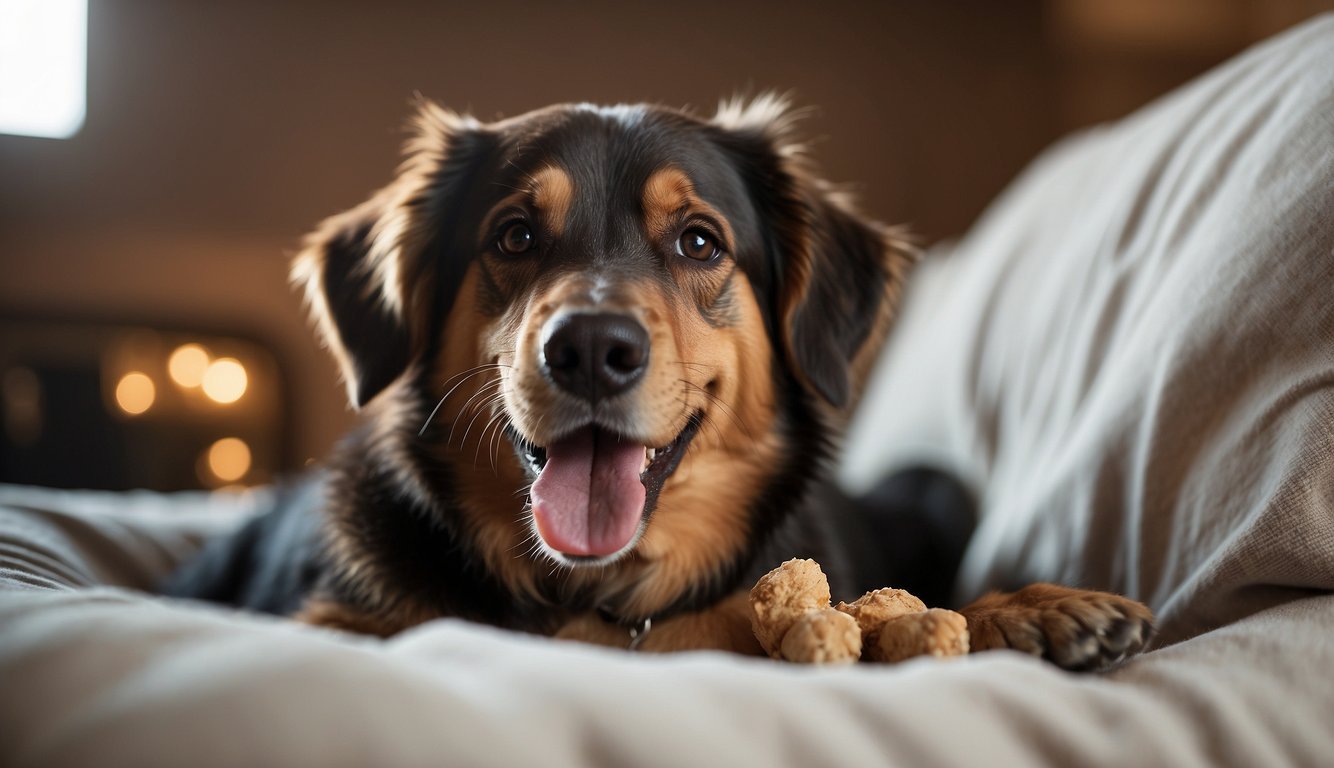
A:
633, 325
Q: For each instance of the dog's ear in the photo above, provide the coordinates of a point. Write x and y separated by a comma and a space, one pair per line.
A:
370, 274
836, 273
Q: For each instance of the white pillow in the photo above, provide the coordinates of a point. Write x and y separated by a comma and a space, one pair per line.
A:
1131, 357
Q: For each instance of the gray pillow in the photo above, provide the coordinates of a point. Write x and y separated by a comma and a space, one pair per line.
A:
1131, 357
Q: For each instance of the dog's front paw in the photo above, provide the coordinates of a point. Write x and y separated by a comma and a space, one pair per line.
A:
1075, 629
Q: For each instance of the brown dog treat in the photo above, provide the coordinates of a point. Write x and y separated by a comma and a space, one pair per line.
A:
874, 608
935, 632
823, 637
784, 595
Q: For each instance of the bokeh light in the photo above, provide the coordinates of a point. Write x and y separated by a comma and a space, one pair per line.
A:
228, 459
187, 365
135, 393
21, 391
225, 380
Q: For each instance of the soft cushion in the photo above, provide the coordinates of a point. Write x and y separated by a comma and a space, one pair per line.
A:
1131, 357
95, 673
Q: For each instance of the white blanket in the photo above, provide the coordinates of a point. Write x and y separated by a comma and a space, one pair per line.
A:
97, 675
1131, 359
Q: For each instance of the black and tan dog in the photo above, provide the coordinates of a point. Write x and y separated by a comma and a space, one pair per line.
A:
603, 352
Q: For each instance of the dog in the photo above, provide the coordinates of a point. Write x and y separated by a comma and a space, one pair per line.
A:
603, 353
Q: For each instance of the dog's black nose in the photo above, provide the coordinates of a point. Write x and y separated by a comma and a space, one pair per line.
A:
594, 356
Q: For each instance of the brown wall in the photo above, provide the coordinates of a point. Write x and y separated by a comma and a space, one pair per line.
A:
218, 133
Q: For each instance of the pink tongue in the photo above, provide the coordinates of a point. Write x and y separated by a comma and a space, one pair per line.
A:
588, 499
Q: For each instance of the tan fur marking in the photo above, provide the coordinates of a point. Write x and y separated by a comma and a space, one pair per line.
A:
489, 480
669, 196
724, 626
486, 230
327, 613
702, 518
552, 192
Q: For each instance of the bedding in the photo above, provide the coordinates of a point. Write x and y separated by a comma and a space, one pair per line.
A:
1131, 361
1131, 356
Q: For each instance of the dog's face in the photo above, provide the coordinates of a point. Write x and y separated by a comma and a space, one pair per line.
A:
608, 331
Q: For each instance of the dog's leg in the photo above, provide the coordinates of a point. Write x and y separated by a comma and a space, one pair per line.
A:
1076, 629
723, 627
331, 613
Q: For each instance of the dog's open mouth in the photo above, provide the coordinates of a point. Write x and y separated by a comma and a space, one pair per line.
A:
593, 489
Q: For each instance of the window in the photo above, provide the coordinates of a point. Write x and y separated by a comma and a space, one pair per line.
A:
43, 67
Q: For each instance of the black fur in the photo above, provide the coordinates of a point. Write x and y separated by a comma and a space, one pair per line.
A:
373, 337
271, 563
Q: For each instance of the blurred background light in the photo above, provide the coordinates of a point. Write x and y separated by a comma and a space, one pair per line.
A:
43, 67
228, 459
135, 393
22, 393
187, 365
225, 380
92, 403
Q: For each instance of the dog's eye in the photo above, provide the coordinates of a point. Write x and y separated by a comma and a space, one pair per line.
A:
697, 244
516, 238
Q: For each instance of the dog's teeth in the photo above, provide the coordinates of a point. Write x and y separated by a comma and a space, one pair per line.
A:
652, 453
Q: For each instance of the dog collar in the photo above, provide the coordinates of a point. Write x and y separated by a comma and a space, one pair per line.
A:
638, 629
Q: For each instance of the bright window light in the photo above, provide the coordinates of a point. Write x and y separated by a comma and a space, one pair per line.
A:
43, 67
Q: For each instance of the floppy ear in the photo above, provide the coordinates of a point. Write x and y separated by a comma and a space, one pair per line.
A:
368, 275
837, 273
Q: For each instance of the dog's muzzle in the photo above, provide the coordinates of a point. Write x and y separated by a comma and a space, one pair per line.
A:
593, 486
